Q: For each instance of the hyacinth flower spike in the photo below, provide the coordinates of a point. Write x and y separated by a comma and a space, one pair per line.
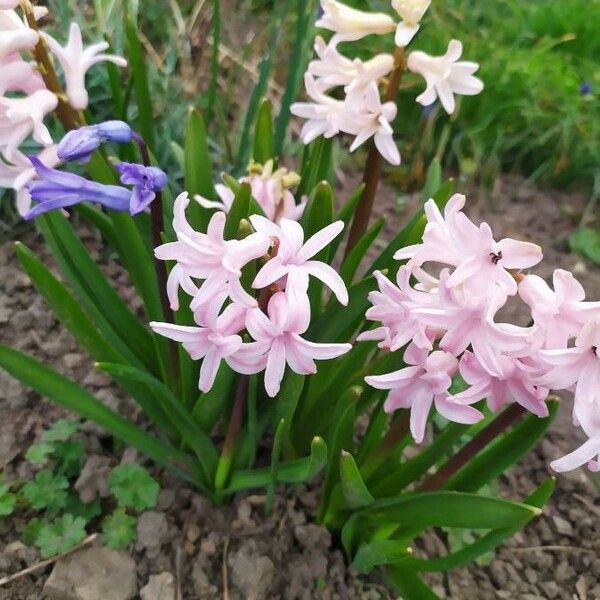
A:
80, 144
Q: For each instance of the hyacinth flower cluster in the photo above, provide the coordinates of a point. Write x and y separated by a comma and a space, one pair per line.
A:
56, 189
442, 314
362, 112
28, 94
252, 330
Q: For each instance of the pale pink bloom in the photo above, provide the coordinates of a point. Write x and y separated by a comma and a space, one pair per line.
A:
215, 339
560, 313
9, 4
468, 319
210, 257
293, 258
15, 35
17, 75
445, 76
333, 69
22, 117
480, 261
75, 61
579, 366
586, 414
21, 172
392, 308
224, 203
411, 12
419, 386
514, 383
278, 335
350, 24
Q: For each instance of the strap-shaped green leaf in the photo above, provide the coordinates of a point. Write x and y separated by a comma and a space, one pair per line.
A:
345, 214
379, 552
409, 585
64, 392
198, 176
295, 471
263, 133
211, 405
66, 307
240, 209
112, 316
355, 491
175, 412
316, 164
433, 182
286, 403
354, 259
137, 67
503, 452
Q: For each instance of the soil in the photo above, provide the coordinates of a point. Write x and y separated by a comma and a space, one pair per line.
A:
239, 552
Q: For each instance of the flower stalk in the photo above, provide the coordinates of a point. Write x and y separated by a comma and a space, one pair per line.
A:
373, 166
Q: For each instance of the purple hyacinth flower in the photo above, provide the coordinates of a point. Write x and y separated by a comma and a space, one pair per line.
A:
146, 182
81, 143
585, 89
57, 189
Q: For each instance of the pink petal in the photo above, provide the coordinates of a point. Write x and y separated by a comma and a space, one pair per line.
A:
567, 288
259, 326
319, 240
519, 255
272, 271
459, 413
330, 278
208, 370
420, 407
320, 351
585, 453
394, 379
178, 333
275, 367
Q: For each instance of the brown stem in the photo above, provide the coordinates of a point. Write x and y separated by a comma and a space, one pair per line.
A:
46, 67
372, 172
489, 433
237, 414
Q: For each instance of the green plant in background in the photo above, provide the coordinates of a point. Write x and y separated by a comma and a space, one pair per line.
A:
62, 520
254, 274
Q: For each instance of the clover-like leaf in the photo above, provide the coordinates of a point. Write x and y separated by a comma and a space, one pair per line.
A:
70, 457
86, 510
60, 535
119, 529
38, 454
61, 431
133, 487
8, 501
32, 530
47, 491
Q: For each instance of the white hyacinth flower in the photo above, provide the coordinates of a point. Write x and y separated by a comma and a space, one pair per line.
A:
76, 60
15, 36
445, 76
350, 24
333, 69
411, 12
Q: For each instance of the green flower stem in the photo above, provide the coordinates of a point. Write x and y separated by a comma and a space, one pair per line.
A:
487, 435
373, 166
67, 116
235, 424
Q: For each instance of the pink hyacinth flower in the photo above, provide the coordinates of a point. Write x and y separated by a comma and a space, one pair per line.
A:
17, 75
215, 339
559, 314
587, 415
279, 335
419, 386
210, 257
579, 366
293, 258
514, 384
469, 320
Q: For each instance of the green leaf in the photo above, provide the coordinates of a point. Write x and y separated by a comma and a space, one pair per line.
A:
133, 487
275, 457
69, 457
211, 405
71, 396
409, 585
39, 454
286, 403
119, 529
32, 530
137, 68
263, 133
356, 255
67, 308
193, 435
295, 471
8, 501
260, 89
379, 552
504, 452
46, 491
355, 491
86, 510
448, 509
61, 431
214, 58
317, 164
303, 38
60, 535
345, 215
198, 175
240, 209
586, 241
433, 181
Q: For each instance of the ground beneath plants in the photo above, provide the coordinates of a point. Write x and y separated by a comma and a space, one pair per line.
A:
236, 552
